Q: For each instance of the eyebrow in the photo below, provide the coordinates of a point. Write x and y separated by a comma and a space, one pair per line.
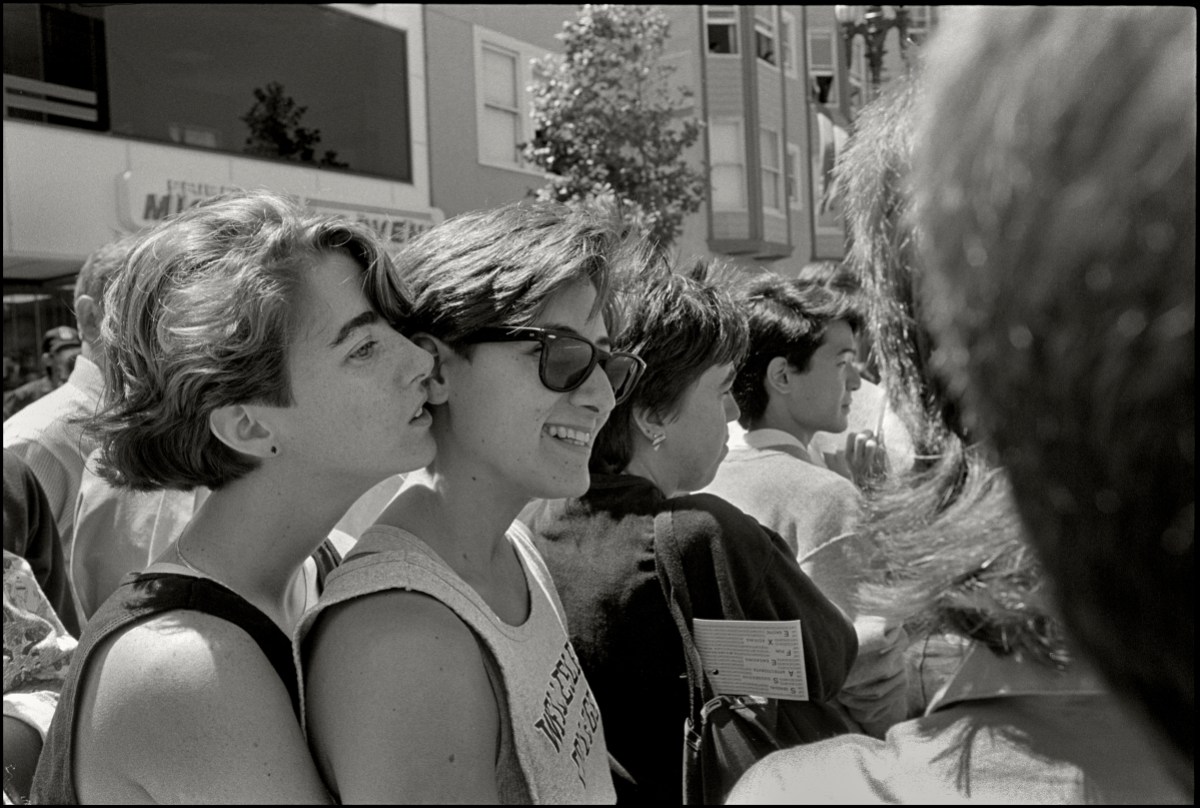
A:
603, 342
364, 319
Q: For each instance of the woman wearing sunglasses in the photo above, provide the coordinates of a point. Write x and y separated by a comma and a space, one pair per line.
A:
661, 443
437, 666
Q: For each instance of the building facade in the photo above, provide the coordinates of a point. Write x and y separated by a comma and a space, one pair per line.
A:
118, 115
399, 115
766, 80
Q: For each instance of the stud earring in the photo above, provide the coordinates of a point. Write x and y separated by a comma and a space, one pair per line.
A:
274, 450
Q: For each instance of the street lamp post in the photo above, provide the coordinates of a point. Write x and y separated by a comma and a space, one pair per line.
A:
874, 25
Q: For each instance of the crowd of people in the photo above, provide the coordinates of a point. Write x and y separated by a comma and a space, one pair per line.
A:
962, 460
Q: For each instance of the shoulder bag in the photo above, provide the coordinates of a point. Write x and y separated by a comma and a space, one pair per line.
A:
723, 735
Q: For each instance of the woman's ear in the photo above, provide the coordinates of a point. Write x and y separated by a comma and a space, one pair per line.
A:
238, 427
778, 375
650, 424
439, 390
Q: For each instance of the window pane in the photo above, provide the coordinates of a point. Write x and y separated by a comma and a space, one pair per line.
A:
768, 145
765, 46
500, 78
318, 86
725, 143
822, 89
22, 41
722, 39
793, 176
770, 189
729, 192
785, 42
499, 136
820, 50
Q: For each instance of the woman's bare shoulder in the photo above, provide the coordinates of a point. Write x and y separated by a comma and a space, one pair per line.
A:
394, 629
400, 704
194, 707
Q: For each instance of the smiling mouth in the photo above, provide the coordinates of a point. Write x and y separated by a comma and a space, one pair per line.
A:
575, 437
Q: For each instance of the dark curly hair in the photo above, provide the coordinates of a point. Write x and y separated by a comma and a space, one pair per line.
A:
681, 324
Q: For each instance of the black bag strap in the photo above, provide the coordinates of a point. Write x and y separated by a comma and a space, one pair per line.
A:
674, 585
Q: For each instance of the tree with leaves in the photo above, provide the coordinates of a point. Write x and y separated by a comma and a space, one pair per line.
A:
609, 126
275, 129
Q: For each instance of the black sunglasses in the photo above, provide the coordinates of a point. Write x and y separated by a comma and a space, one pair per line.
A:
568, 359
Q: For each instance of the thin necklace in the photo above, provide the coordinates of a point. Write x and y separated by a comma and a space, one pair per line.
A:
186, 563
193, 568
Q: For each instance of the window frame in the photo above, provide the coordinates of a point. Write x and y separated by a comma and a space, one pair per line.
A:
787, 45
778, 172
772, 33
739, 126
792, 167
523, 53
734, 22
816, 71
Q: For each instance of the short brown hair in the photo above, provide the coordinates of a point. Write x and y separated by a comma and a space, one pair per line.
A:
201, 316
680, 325
500, 267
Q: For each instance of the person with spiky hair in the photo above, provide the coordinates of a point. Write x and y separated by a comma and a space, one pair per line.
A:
801, 375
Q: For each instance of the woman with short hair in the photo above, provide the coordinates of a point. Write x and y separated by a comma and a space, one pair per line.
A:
661, 444
252, 349
437, 666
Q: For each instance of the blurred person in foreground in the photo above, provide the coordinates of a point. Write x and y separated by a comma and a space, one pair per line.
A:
871, 176
658, 447
251, 348
60, 349
1056, 191
1024, 718
800, 375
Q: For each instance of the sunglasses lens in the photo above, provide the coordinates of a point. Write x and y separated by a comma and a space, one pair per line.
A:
567, 363
623, 372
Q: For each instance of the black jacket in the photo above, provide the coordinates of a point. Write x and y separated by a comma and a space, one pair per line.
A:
600, 551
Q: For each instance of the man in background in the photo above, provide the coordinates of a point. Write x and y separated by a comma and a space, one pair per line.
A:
49, 437
60, 348
46, 434
799, 377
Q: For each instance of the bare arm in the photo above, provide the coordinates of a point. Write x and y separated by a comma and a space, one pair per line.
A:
400, 707
185, 708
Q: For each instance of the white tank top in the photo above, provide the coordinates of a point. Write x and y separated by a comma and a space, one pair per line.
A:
553, 721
